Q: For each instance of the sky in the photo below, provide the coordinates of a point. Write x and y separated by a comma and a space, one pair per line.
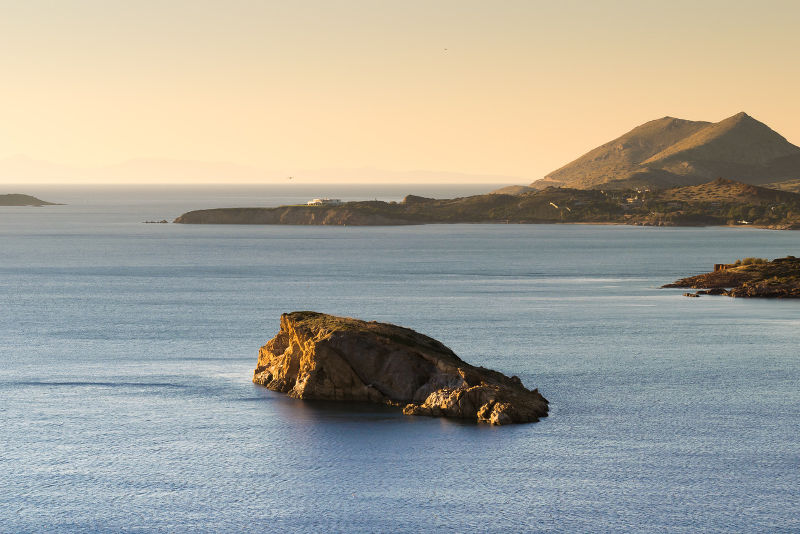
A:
502, 91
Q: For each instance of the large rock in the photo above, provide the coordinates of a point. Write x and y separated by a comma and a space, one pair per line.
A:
318, 356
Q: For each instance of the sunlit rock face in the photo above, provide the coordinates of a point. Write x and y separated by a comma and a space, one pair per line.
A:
318, 356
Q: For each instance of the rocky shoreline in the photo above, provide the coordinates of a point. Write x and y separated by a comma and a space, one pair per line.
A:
319, 356
751, 277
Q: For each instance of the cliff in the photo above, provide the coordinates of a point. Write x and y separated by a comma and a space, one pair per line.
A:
751, 277
319, 356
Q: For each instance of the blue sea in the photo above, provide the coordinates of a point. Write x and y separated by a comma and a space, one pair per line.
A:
127, 350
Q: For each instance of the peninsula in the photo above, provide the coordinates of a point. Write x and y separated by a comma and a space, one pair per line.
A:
719, 202
319, 356
750, 277
17, 199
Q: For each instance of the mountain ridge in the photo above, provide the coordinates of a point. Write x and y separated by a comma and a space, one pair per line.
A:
21, 169
669, 152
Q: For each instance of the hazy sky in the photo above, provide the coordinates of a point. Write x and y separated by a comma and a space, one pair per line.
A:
493, 87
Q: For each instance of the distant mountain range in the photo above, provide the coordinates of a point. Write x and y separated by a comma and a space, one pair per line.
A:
671, 152
22, 169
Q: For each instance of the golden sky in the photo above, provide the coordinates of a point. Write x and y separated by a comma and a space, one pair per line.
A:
513, 88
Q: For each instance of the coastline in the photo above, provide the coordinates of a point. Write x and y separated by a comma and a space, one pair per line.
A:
503, 223
717, 203
748, 277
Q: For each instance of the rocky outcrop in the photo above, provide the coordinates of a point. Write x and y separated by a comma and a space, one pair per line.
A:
751, 277
319, 356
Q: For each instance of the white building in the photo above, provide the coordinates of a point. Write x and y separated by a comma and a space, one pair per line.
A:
324, 202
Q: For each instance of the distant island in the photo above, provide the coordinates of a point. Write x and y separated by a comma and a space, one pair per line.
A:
17, 199
719, 202
324, 357
750, 277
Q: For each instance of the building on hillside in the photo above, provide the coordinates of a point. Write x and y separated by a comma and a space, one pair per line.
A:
324, 202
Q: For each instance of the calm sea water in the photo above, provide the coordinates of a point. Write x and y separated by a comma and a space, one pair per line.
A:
126, 353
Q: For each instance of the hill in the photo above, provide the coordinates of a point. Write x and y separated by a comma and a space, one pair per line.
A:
16, 199
671, 152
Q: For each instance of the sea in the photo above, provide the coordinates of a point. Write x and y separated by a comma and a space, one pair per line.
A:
127, 351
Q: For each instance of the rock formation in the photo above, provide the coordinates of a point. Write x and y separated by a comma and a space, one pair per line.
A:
751, 277
319, 356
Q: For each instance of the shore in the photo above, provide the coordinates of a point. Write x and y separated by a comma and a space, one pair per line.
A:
735, 204
750, 277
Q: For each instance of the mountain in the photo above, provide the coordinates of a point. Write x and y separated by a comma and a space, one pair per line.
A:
20, 169
148, 170
672, 152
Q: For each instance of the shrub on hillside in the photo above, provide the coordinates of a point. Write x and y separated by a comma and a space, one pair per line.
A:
751, 261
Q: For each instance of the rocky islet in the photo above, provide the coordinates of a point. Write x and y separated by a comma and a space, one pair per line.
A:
324, 357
